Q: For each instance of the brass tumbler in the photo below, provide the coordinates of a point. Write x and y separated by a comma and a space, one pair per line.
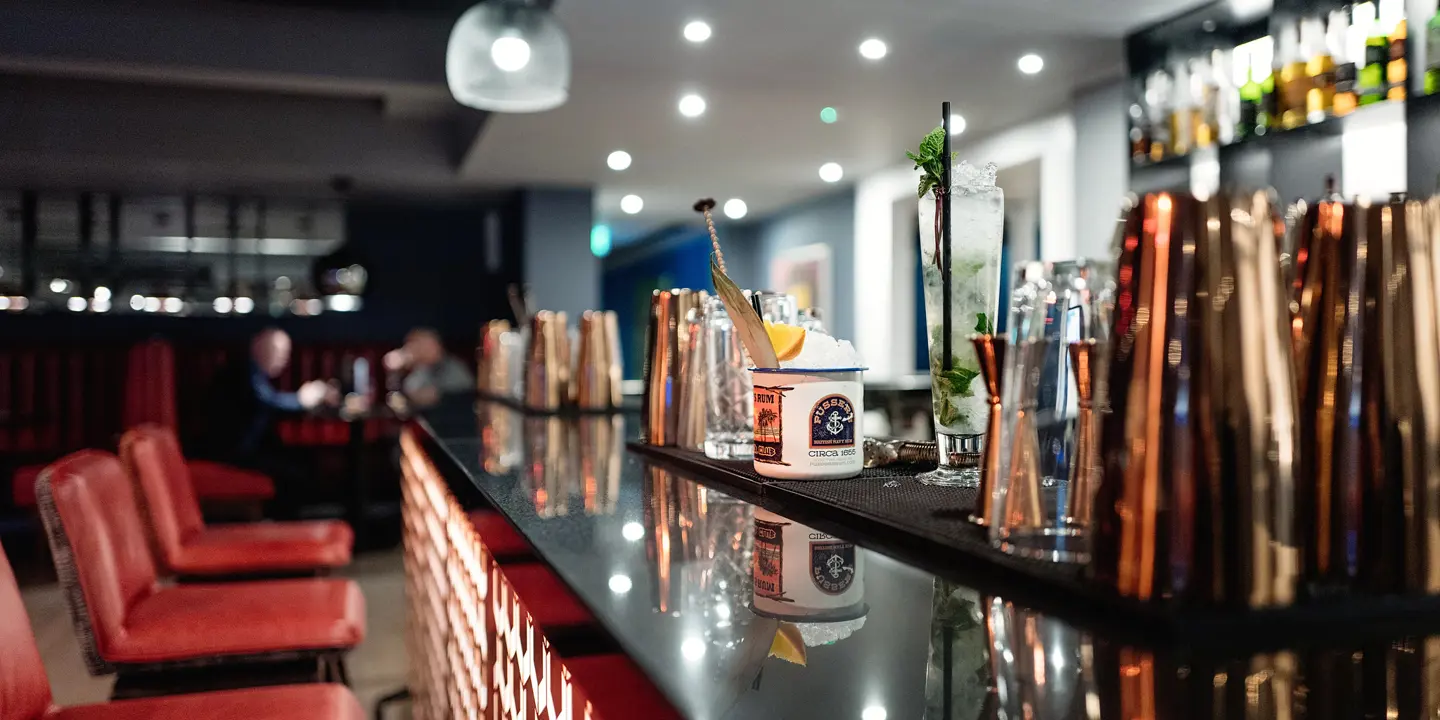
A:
547, 364
596, 375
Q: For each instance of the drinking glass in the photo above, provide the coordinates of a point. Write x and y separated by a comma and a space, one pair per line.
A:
778, 308
961, 281
1042, 498
729, 401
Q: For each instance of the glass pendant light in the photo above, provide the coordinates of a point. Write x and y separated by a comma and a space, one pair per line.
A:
508, 56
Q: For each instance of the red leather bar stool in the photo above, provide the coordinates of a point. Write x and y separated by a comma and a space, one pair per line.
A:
187, 548
618, 689
25, 691
132, 625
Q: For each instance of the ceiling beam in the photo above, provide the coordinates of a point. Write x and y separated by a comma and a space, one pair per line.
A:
312, 50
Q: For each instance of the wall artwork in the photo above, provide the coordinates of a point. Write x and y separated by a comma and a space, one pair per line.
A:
804, 272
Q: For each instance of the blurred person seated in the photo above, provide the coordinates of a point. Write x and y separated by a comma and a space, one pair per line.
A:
244, 408
430, 372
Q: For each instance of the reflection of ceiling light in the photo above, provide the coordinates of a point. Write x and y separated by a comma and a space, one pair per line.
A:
831, 172
342, 303
244, 305
633, 531
173, 305
313, 306
874, 712
692, 649
697, 31
223, 305
4, 303
632, 204
100, 305
1030, 63
510, 53
152, 304
735, 208
59, 285
102, 292
692, 105
620, 584
137, 302
76, 304
600, 241
508, 56
957, 123
618, 160
873, 49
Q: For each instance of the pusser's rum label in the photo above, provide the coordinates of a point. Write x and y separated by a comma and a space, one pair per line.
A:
769, 560
769, 432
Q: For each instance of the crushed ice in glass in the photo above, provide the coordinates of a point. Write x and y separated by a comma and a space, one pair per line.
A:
969, 179
821, 351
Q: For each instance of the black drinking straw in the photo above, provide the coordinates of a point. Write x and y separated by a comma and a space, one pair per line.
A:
946, 362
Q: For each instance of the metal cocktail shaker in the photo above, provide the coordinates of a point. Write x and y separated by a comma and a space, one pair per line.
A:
666, 339
547, 364
1198, 482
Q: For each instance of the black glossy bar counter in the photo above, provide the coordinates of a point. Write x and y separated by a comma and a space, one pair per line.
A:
734, 609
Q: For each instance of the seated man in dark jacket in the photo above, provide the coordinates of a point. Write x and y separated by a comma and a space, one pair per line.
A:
242, 411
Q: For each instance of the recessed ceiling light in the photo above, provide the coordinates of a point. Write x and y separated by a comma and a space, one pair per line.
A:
735, 208
874, 712
957, 123
697, 31
692, 105
222, 305
510, 53
873, 49
831, 172
829, 115
76, 304
101, 293
632, 204
618, 160
244, 305
173, 304
1030, 63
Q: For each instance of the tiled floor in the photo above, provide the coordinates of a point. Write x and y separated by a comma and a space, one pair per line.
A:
377, 667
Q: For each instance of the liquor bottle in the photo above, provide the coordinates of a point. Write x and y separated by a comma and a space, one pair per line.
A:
1202, 103
1432, 54
1397, 71
1227, 95
1320, 68
1377, 56
1252, 108
1182, 134
1157, 95
1291, 87
1139, 127
1345, 40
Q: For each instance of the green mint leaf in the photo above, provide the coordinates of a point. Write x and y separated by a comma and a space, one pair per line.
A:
982, 324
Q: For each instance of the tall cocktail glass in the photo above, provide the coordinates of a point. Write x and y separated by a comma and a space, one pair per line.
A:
965, 278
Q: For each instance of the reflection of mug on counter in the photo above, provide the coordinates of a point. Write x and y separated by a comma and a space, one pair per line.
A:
805, 575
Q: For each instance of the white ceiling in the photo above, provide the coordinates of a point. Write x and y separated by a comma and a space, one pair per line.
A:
284, 95
766, 73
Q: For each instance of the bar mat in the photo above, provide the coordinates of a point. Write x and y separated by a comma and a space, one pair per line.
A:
926, 526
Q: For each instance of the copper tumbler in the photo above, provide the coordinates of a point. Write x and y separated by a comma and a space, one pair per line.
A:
990, 350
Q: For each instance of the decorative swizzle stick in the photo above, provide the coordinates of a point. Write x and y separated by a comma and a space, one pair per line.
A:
705, 205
